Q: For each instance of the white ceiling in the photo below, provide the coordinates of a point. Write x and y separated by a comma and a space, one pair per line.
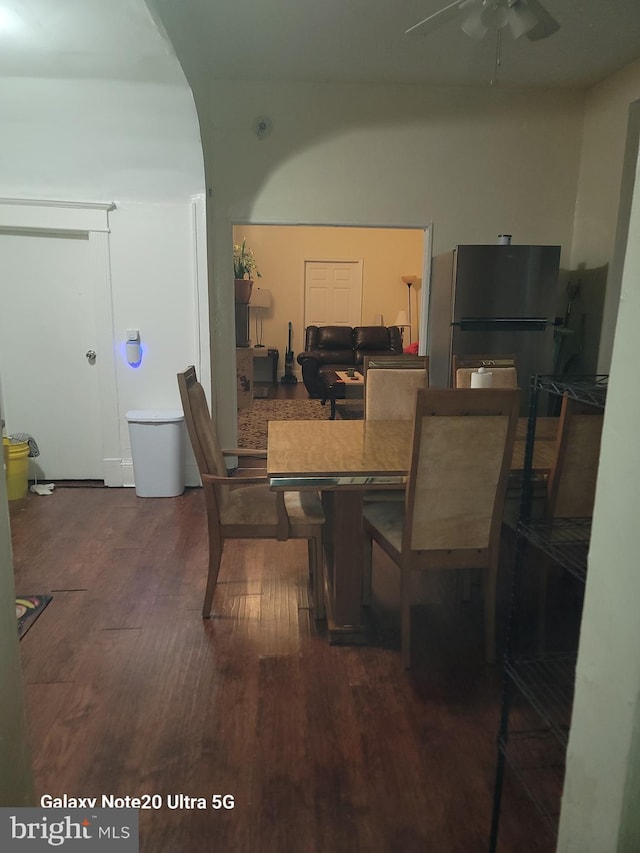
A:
107, 39
308, 40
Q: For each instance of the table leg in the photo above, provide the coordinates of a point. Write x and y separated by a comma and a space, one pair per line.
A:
332, 413
343, 566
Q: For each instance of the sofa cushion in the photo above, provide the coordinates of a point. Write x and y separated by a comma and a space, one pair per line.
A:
334, 338
371, 338
330, 356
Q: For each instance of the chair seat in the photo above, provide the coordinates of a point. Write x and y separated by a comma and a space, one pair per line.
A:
257, 505
388, 518
249, 505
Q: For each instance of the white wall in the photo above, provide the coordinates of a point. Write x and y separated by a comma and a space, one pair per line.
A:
98, 140
600, 801
478, 163
602, 201
601, 155
154, 290
138, 145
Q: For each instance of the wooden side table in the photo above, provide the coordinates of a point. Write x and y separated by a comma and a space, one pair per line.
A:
244, 376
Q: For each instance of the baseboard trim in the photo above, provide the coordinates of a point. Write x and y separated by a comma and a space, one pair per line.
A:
118, 473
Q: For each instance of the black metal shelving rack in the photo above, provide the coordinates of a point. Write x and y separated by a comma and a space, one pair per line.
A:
538, 689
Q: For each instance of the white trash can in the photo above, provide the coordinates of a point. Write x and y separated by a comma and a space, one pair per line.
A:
157, 450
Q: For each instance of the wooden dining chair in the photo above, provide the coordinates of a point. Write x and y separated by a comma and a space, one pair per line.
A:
452, 514
572, 479
245, 507
503, 370
402, 360
390, 385
503, 375
571, 484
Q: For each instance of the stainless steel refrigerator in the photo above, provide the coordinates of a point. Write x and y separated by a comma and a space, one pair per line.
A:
493, 299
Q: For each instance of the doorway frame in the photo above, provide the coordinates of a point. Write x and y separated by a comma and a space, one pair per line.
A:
426, 228
226, 416
425, 290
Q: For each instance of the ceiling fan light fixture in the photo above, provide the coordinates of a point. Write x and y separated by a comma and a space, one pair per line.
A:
484, 15
494, 15
520, 18
523, 17
473, 25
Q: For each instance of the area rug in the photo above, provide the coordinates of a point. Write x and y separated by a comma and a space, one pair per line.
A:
253, 422
28, 608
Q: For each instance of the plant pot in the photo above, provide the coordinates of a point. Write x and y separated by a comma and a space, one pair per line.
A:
243, 289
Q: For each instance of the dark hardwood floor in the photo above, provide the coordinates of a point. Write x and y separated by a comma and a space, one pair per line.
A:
322, 748
296, 391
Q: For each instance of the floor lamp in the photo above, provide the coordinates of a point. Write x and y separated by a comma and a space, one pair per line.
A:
409, 280
260, 301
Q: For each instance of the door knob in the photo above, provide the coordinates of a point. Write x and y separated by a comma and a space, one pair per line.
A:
91, 356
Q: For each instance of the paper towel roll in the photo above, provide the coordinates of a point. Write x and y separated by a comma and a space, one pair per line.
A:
481, 378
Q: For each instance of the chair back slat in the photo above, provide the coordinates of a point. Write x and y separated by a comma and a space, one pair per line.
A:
502, 367
572, 479
404, 361
390, 383
501, 377
462, 448
200, 428
391, 394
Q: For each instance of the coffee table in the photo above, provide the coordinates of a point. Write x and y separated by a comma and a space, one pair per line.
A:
337, 386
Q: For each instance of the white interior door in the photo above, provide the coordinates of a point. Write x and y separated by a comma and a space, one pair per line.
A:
49, 385
332, 293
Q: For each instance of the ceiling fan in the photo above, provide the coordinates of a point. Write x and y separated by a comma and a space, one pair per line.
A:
523, 17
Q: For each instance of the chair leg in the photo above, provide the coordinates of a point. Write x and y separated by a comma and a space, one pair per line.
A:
367, 567
215, 557
466, 585
490, 591
405, 618
316, 573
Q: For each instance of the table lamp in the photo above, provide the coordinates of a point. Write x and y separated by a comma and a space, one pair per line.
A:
401, 321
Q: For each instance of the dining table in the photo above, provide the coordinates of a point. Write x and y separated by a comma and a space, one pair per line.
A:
344, 461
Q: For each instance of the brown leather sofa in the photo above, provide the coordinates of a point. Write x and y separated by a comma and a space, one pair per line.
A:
340, 347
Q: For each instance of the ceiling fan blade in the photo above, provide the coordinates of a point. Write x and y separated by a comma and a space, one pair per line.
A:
521, 18
547, 24
441, 15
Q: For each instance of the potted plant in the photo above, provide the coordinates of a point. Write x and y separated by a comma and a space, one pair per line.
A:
244, 268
